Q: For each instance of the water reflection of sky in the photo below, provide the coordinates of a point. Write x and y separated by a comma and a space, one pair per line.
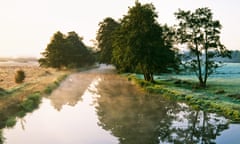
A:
230, 136
69, 125
107, 109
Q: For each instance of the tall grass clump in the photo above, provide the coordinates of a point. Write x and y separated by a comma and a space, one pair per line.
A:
30, 103
19, 76
11, 121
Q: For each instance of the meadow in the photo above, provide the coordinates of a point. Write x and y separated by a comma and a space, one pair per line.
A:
222, 94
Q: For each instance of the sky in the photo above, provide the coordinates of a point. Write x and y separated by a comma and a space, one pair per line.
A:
26, 26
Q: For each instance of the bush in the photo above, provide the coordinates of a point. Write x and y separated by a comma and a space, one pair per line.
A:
19, 76
31, 103
11, 122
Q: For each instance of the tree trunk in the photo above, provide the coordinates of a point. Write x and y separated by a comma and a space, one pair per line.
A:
193, 130
201, 82
206, 66
148, 76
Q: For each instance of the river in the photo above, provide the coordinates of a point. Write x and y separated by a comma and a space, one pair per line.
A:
100, 107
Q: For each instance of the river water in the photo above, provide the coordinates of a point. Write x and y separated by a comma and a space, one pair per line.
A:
100, 107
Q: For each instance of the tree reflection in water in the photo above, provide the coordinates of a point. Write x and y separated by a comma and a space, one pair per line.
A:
71, 90
139, 118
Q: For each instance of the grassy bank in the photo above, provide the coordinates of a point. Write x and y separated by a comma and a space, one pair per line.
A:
221, 98
18, 99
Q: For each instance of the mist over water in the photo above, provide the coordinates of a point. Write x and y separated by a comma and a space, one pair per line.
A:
100, 107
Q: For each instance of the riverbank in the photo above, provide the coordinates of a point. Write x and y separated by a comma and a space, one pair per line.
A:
222, 99
18, 99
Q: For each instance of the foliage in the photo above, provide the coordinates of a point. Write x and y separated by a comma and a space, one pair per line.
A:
202, 35
11, 122
105, 37
66, 51
30, 103
139, 44
19, 76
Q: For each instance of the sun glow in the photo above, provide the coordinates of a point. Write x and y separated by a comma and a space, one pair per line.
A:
27, 26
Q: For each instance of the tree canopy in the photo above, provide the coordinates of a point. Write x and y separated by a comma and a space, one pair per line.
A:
202, 35
139, 44
105, 36
66, 51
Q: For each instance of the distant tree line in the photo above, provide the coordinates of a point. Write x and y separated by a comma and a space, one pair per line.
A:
66, 51
235, 57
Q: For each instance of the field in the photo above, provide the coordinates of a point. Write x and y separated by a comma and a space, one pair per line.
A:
226, 78
36, 79
18, 99
222, 94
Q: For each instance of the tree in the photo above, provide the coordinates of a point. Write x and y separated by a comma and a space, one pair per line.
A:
77, 54
53, 55
139, 44
105, 39
202, 35
66, 51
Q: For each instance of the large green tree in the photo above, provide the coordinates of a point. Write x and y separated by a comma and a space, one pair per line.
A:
77, 53
139, 44
105, 37
53, 54
201, 33
66, 51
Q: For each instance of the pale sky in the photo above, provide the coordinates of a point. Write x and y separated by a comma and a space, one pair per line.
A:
26, 26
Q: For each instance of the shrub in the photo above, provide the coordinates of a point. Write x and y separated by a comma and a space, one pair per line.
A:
31, 103
19, 76
11, 122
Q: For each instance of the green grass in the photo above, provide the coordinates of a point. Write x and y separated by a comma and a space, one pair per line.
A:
49, 89
215, 98
30, 103
11, 121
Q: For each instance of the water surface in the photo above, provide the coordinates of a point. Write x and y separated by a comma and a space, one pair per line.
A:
99, 107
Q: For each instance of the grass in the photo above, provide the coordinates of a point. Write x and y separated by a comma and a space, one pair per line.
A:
54, 85
221, 95
18, 99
